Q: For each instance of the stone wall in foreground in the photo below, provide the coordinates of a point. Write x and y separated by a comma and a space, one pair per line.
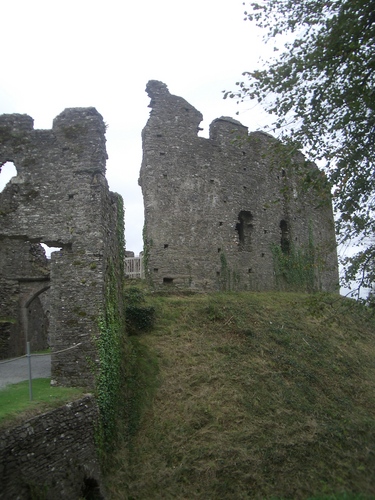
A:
52, 455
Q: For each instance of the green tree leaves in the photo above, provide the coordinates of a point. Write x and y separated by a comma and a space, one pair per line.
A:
321, 91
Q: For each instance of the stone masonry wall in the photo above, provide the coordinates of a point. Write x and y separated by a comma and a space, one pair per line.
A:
24, 271
52, 455
59, 197
216, 209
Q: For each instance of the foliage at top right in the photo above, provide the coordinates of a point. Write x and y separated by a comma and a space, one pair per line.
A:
320, 89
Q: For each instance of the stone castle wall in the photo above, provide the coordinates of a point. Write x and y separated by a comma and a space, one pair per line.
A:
59, 197
216, 209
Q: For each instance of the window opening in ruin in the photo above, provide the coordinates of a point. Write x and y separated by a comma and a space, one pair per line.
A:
156, 269
218, 250
166, 245
37, 321
70, 196
250, 270
162, 154
7, 172
262, 254
283, 173
220, 223
284, 241
245, 227
245, 187
49, 249
217, 273
168, 281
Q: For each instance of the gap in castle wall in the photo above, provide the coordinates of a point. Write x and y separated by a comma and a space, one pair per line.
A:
8, 171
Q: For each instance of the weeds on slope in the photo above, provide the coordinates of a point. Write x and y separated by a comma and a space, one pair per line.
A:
267, 395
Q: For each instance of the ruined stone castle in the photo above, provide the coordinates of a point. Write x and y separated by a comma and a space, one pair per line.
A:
231, 212
59, 197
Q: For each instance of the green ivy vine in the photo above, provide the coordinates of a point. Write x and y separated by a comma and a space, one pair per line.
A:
147, 244
295, 269
111, 342
120, 231
228, 280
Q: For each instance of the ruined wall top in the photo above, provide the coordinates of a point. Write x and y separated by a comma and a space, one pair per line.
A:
76, 132
172, 111
56, 170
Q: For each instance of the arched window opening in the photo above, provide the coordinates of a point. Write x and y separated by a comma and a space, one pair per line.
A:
38, 322
245, 227
284, 241
7, 172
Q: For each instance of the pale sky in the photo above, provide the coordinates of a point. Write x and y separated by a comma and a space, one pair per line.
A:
77, 53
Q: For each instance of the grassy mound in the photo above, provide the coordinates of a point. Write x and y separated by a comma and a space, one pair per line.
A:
268, 395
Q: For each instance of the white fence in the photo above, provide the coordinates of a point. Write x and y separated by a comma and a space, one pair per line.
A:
134, 267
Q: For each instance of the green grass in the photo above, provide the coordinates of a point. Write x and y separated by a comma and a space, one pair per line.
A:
16, 405
258, 395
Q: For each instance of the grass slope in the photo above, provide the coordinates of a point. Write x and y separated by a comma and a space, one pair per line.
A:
15, 404
260, 395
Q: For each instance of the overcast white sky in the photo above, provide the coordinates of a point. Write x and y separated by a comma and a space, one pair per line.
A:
59, 54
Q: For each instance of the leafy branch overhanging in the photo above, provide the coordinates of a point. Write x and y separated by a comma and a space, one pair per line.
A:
321, 92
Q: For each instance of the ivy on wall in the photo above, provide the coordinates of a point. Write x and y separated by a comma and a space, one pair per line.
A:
120, 231
111, 342
295, 269
109, 349
147, 244
228, 280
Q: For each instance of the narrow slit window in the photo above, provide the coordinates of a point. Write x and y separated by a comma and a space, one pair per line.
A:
245, 227
284, 240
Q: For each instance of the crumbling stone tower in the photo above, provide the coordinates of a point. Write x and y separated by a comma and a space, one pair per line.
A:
234, 211
60, 197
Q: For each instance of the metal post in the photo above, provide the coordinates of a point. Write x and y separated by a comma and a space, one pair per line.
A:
30, 378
